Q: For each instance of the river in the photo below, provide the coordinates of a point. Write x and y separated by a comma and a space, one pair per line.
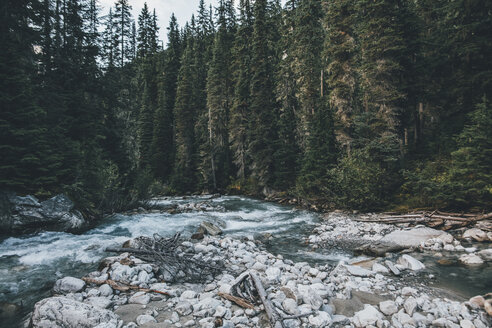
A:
30, 264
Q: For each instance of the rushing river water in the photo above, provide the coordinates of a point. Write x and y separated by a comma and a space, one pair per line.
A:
29, 265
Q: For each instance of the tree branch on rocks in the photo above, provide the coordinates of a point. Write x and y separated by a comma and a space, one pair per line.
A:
177, 262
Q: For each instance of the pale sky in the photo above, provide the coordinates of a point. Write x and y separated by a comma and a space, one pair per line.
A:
183, 9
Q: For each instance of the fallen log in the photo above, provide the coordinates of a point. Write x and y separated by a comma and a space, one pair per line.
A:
120, 286
269, 309
238, 300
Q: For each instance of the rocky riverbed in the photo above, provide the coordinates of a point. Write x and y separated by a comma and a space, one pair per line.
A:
366, 294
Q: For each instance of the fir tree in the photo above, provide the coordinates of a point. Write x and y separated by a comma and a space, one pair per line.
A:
262, 118
238, 127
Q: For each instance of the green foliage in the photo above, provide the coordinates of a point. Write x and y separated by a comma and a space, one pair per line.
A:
356, 103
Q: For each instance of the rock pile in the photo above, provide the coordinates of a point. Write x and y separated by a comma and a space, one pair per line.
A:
305, 295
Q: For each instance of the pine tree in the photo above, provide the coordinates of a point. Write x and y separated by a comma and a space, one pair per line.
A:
470, 176
286, 148
215, 155
341, 51
238, 127
123, 32
185, 113
162, 147
262, 118
22, 163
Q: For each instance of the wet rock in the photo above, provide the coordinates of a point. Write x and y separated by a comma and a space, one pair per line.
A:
68, 313
410, 263
471, 259
211, 228
27, 213
388, 307
369, 316
476, 234
68, 285
145, 318
486, 254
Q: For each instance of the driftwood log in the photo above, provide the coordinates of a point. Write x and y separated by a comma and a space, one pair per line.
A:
238, 300
120, 286
434, 219
269, 309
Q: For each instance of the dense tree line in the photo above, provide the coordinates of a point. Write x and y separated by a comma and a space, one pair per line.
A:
357, 104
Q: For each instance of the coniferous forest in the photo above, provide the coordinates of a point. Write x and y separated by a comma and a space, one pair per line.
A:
365, 104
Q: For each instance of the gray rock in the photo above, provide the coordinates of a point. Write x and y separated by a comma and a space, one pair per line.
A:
101, 302
105, 290
377, 267
290, 306
410, 305
273, 274
145, 318
413, 237
183, 308
369, 316
210, 228
486, 254
322, 319
139, 298
388, 307
471, 259
22, 214
358, 271
310, 297
466, 324
392, 267
476, 234
68, 285
68, 313
410, 263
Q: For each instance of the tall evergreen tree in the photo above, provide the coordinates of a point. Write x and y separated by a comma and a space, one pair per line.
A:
340, 49
238, 127
123, 32
262, 118
215, 155
185, 116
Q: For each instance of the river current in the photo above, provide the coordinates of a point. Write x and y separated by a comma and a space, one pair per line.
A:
30, 264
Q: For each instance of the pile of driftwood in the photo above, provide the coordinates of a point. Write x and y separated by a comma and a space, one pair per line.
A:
176, 262
248, 290
434, 219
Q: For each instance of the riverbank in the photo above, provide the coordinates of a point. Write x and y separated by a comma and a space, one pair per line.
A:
321, 295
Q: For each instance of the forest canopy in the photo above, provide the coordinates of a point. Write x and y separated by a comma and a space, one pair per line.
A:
364, 104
